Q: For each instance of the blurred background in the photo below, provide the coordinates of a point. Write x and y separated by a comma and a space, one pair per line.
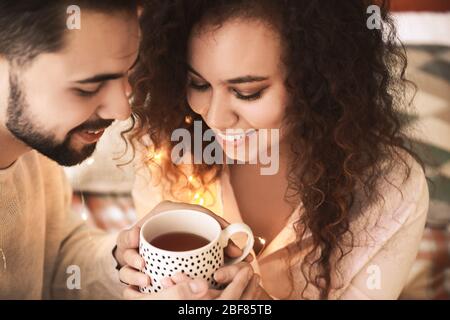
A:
102, 184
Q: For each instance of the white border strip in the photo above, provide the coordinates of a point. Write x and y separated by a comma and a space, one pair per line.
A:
423, 28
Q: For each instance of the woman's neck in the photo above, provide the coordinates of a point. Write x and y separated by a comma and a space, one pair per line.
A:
261, 198
277, 183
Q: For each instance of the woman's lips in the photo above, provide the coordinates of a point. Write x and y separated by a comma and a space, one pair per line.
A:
234, 140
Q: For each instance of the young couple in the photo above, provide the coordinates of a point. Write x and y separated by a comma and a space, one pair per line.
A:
342, 217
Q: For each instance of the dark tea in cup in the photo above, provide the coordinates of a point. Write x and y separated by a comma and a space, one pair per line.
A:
179, 241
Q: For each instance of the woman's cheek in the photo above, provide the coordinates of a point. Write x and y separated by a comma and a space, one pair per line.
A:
198, 102
265, 115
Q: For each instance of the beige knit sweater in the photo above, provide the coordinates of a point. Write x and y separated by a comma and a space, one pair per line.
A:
44, 247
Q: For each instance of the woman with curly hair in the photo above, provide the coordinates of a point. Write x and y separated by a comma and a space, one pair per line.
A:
343, 216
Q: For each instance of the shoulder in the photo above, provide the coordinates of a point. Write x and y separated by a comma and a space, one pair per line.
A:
48, 168
34, 165
401, 207
404, 190
38, 176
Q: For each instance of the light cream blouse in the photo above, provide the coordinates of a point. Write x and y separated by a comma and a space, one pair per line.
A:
386, 239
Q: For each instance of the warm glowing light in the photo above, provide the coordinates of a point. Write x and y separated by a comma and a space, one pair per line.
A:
188, 119
262, 240
198, 199
84, 215
90, 161
157, 156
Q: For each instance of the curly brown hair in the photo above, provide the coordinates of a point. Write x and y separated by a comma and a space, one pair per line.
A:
347, 89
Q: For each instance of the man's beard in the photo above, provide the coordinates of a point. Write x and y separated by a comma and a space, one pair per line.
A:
22, 127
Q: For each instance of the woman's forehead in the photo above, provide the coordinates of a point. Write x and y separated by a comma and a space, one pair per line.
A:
242, 46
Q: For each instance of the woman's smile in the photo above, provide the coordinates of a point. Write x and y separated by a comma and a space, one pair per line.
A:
234, 137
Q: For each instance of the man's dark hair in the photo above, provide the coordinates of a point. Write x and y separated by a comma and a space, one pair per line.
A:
31, 27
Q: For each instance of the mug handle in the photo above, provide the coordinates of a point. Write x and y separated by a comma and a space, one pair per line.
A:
232, 229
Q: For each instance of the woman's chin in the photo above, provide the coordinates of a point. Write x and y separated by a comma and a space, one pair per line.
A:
242, 158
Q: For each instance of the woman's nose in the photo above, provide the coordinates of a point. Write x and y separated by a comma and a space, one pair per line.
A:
220, 115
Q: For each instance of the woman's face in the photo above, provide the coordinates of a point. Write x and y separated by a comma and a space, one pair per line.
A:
236, 83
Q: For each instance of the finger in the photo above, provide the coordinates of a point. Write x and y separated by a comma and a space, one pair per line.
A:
249, 258
167, 282
211, 294
180, 277
128, 239
132, 293
233, 251
251, 292
192, 290
226, 274
188, 290
133, 277
133, 259
236, 287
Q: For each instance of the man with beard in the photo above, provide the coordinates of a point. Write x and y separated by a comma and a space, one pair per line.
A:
60, 88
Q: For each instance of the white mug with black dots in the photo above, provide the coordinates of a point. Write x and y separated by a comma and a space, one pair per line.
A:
186, 241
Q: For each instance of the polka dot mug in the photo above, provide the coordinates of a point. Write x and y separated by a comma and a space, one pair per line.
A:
198, 263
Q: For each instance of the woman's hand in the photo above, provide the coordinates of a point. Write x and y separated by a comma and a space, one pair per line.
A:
226, 275
241, 283
240, 280
131, 263
187, 290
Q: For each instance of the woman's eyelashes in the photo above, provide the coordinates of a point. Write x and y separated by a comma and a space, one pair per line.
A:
248, 97
199, 86
202, 87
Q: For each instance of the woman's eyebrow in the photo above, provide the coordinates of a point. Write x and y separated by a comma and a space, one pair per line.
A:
243, 79
246, 79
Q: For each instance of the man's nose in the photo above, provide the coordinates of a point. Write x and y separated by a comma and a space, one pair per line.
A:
116, 105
